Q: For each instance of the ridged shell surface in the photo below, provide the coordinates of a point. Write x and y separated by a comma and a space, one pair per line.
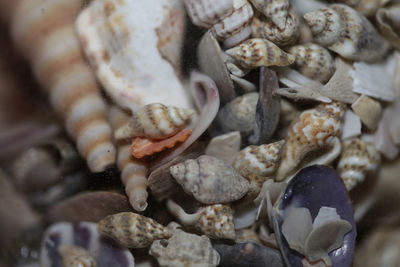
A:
313, 61
206, 13
259, 52
346, 32
357, 159
132, 230
74, 256
276, 10
49, 41
216, 221
210, 180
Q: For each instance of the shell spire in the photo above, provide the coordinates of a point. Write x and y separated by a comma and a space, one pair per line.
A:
49, 41
276, 10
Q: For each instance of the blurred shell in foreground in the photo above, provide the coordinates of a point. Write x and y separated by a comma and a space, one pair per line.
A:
74, 256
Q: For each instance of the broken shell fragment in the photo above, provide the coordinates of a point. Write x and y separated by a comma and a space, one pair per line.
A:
275, 10
184, 249
73, 256
224, 147
368, 110
205, 13
132, 230
210, 180
388, 20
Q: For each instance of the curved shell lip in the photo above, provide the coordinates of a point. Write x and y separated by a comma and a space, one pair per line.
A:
331, 193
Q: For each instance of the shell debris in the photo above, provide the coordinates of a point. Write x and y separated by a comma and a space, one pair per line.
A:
368, 110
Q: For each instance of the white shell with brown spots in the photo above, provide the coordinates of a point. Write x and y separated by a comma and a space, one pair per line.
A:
216, 221
275, 10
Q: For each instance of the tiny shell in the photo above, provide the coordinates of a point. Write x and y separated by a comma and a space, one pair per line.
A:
210, 180
259, 52
74, 256
132, 230
184, 249
368, 110
276, 10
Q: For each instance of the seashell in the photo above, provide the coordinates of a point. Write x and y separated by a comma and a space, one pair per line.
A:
239, 114
262, 27
210, 180
351, 125
246, 235
389, 24
259, 160
63, 73
357, 159
314, 129
346, 32
184, 249
132, 230
305, 6
259, 52
368, 110
215, 221
129, 55
366, 7
245, 214
206, 13
73, 256
275, 10
313, 61
85, 236
224, 147
155, 121
133, 171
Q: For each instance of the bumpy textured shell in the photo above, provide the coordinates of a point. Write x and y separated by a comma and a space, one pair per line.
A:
184, 249
259, 52
210, 180
314, 129
206, 13
262, 27
133, 171
74, 256
276, 10
49, 41
357, 159
313, 61
132, 230
346, 32
216, 221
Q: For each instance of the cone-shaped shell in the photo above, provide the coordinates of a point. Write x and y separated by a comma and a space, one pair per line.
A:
216, 221
259, 52
132, 230
210, 180
276, 10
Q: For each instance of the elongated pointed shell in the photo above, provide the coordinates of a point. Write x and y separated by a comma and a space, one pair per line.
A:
346, 32
258, 52
216, 221
357, 159
313, 61
49, 41
132, 230
210, 180
276, 10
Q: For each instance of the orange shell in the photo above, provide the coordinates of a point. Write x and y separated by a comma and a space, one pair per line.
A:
142, 147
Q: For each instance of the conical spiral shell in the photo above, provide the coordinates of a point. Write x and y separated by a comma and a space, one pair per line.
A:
133, 171
346, 32
132, 230
314, 129
73, 256
216, 221
357, 159
155, 121
44, 32
276, 10
313, 61
259, 52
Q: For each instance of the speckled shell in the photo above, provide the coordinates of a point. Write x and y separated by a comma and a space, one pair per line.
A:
258, 160
48, 40
210, 180
314, 129
276, 10
216, 221
262, 27
259, 52
246, 235
74, 256
184, 249
313, 61
132, 230
357, 159
346, 32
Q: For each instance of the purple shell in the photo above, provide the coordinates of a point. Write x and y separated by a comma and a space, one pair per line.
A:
314, 187
105, 251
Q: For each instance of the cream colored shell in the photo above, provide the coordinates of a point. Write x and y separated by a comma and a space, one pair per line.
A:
275, 10
73, 256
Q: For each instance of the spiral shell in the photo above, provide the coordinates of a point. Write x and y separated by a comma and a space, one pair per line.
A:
259, 52
276, 10
264, 28
208, 12
357, 159
313, 61
74, 256
314, 129
346, 32
132, 230
49, 41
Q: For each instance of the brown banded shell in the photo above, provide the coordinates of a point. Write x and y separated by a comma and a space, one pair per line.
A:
155, 121
259, 52
210, 180
346, 32
276, 10
73, 256
313, 61
357, 159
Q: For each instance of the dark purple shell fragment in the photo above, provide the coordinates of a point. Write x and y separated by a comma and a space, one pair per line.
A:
312, 188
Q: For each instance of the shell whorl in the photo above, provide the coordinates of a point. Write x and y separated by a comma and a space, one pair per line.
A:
275, 10
76, 256
48, 39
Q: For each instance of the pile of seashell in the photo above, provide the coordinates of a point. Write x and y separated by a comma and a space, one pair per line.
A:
199, 132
